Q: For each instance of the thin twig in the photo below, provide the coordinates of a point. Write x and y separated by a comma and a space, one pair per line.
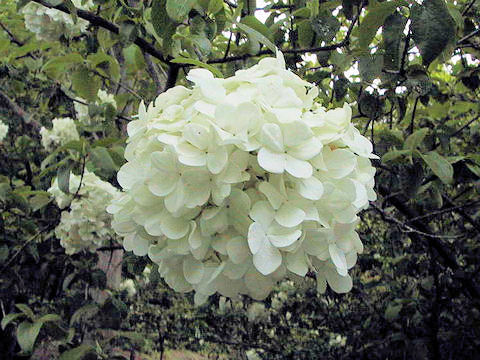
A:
11, 36
153, 73
17, 110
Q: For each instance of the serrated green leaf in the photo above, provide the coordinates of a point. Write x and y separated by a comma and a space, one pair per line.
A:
61, 63
326, 26
85, 84
214, 6
415, 139
374, 19
257, 36
305, 33
392, 311
439, 165
392, 40
433, 28
179, 9
163, 26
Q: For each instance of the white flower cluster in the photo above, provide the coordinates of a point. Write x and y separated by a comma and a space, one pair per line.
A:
233, 185
63, 131
86, 224
81, 109
49, 24
3, 131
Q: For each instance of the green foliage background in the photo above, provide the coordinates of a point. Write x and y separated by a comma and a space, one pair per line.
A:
412, 71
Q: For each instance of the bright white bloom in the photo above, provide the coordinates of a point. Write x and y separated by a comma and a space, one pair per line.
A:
85, 224
49, 24
63, 131
237, 183
81, 108
3, 130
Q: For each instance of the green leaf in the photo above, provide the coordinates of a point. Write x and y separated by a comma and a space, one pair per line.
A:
395, 154
375, 18
370, 67
7, 319
214, 6
59, 64
39, 201
162, 24
392, 40
184, 60
439, 165
415, 139
305, 33
27, 334
340, 88
179, 9
4, 251
326, 26
102, 161
63, 177
257, 36
433, 28
392, 311
85, 84
84, 313
26, 310
77, 353
49, 318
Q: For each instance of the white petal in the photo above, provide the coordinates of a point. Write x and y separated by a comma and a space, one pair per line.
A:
339, 284
298, 168
176, 199
271, 137
152, 225
297, 263
289, 215
338, 259
173, 227
217, 159
237, 250
273, 162
267, 259
262, 213
193, 270
284, 239
296, 133
197, 135
274, 196
310, 188
190, 155
256, 237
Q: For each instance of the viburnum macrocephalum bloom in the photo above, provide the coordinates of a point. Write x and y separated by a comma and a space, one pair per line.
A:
49, 24
63, 131
84, 223
237, 183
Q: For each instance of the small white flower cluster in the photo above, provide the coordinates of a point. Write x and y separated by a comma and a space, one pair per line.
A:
63, 131
86, 224
49, 24
83, 115
239, 182
3, 131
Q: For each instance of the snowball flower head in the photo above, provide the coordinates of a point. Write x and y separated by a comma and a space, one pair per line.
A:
85, 225
237, 183
63, 131
49, 24
3, 131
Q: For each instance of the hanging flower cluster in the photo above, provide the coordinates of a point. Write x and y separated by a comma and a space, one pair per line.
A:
85, 225
49, 24
63, 131
104, 99
239, 182
3, 131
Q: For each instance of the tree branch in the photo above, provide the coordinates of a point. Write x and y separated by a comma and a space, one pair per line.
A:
96, 20
153, 73
18, 111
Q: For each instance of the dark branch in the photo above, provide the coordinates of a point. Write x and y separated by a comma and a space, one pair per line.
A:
11, 36
96, 20
18, 111
153, 73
